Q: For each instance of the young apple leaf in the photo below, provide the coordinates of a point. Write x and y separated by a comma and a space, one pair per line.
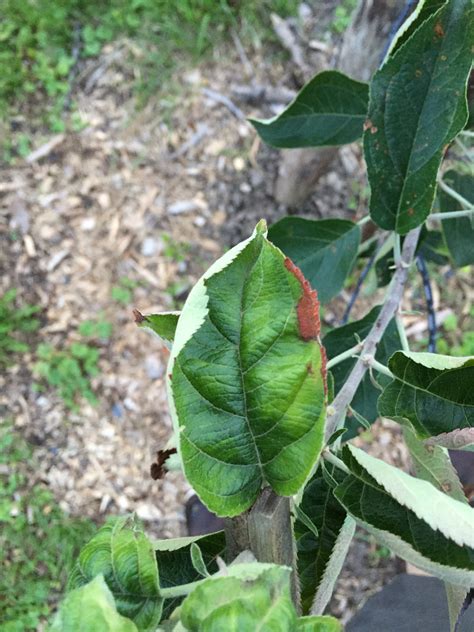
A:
410, 516
164, 324
325, 250
247, 378
329, 110
461, 439
91, 607
417, 106
176, 565
432, 393
320, 557
458, 232
251, 596
342, 338
122, 553
198, 560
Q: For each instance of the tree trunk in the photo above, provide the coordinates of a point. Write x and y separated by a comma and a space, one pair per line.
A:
362, 48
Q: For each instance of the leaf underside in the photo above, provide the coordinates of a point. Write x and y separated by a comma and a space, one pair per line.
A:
248, 391
417, 106
418, 522
320, 558
329, 110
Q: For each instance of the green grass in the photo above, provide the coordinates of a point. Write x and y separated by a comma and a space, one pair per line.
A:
69, 371
37, 38
15, 324
38, 541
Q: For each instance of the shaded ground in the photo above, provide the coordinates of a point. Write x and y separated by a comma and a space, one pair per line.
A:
152, 197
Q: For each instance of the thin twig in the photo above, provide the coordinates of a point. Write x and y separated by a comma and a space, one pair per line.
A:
221, 98
349, 353
454, 194
258, 93
337, 410
332, 458
249, 71
467, 212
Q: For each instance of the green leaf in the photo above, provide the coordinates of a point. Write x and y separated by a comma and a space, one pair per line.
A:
90, 608
423, 10
246, 378
176, 565
325, 250
252, 597
410, 516
432, 464
417, 106
125, 557
164, 324
431, 393
320, 557
339, 340
462, 439
329, 110
318, 624
459, 232
198, 561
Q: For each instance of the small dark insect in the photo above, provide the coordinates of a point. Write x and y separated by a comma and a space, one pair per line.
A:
157, 469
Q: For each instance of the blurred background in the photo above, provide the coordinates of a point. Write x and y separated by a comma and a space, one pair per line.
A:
127, 167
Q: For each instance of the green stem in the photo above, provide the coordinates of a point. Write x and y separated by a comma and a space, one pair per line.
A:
332, 458
364, 220
349, 353
467, 212
402, 333
381, 368
454, 194
365, 244
180, 591
467, 133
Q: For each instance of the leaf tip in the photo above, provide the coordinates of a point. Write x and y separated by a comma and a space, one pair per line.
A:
261, 228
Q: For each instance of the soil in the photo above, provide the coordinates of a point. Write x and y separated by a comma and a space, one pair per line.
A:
154, 196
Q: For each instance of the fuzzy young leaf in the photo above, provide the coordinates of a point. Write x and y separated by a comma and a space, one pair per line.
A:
125, 557
410, 516
459, 232
320, 557
417, 106
91, 608
247, 378
342, 338
432, 393
250, 597
325, 250
329, 110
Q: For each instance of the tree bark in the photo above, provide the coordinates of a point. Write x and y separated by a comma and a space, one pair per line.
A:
362, 48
